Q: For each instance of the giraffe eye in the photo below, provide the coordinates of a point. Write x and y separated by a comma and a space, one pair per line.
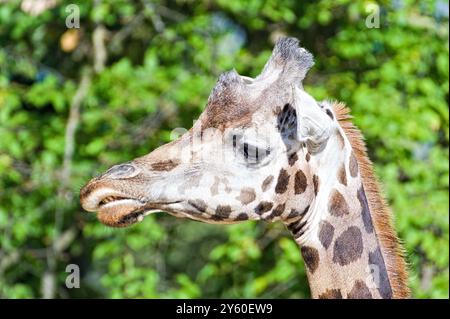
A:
251, 153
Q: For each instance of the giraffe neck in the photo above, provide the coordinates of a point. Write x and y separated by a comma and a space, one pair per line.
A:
338, 241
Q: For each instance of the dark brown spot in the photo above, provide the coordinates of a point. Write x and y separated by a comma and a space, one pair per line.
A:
337, 204
331, 294
353, 165
247, 195
329, 114
263, 207
241, 216
342, 175
326, 233
292, 159
316, 184
311, 258
300, 182
198, 204
282, 183
348, 247
384, 287
277, 211
365, 212
223, 211
359, 291
307, 157
266, 183
164, 165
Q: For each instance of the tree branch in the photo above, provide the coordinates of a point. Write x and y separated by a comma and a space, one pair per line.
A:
61, 241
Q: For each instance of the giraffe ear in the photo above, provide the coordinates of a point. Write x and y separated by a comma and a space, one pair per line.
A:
288, 63
314, 126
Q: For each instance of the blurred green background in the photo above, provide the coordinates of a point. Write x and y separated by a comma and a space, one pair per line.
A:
73, 102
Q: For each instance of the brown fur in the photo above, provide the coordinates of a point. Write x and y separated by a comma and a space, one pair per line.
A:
311, 258
316, 184
247, 195
283, 181
300, 182
392, 250
342, 175
337, 206
331, 294
167, 165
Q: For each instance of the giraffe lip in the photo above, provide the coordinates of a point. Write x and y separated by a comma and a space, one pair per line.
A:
119, 211
125, 212
114, 200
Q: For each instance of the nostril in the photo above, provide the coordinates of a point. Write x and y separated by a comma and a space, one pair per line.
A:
122, 171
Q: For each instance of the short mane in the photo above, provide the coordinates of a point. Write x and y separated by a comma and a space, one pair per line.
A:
392, 250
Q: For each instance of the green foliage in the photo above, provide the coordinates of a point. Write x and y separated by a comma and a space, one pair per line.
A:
161, 65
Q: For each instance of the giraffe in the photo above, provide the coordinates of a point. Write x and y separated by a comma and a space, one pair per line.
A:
264, 149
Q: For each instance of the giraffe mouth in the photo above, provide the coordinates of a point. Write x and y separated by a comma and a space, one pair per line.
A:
123, 212
111, 199
115, 209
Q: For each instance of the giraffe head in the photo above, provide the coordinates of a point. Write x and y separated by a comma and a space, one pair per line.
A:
247, 156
